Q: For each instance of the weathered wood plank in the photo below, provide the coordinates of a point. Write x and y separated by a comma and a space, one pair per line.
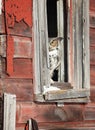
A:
92, 74
81, 59
92, 55
92, 37
22, 68
2, 19
22, 46
40, 99
60, 28
22, 88
92, 5
43, 43
66, 94
92, 20
48, 112
36, 62
77, 42
86, 45
89, 113
77, 125
1, 113
40, 44
9, 120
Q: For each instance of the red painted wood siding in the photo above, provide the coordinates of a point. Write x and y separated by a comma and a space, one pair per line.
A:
17, 16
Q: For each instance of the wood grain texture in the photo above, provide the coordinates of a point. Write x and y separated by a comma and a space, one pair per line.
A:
87, 125
1, 113
57, 118
22, 46
22, 88
9, 119
48, 112
22, 68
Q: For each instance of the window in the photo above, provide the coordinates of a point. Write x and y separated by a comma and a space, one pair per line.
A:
61, 50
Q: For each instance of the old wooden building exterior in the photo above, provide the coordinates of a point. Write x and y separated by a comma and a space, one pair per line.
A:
26, 26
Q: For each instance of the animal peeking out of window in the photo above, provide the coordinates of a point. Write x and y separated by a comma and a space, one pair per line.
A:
55, 54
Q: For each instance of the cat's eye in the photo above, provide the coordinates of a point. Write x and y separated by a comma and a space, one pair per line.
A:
61, 42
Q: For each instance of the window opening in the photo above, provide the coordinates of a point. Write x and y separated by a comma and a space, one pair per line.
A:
65, 6
52, 18
61, 56
55, 18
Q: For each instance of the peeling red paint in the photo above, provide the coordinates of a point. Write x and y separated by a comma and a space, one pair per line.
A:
19, 21
18, 10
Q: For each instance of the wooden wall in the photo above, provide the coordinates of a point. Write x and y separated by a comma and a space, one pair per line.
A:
48, 116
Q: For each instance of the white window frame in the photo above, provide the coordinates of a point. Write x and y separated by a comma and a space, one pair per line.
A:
78, 53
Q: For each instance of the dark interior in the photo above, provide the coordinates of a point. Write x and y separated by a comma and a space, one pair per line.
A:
52, 18
53, 32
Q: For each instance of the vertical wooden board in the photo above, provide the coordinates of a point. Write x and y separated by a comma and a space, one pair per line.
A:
43, 43
77, 42
86, 45
1, 113
60, 28
81, 43
40, 45
9, 120
36, 43
70, 43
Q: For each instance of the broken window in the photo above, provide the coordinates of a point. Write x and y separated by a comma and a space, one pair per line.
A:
61, 50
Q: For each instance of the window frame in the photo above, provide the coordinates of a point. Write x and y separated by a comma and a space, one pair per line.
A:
78, 65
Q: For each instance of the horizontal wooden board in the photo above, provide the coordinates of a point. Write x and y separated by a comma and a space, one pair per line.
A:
92, 96
89, 113
92, 74
22, 46
22, 68
66, 94
92, 36
22, 88
92, 20
92, 5
92, 55
48, 112
51, 113
85, 125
